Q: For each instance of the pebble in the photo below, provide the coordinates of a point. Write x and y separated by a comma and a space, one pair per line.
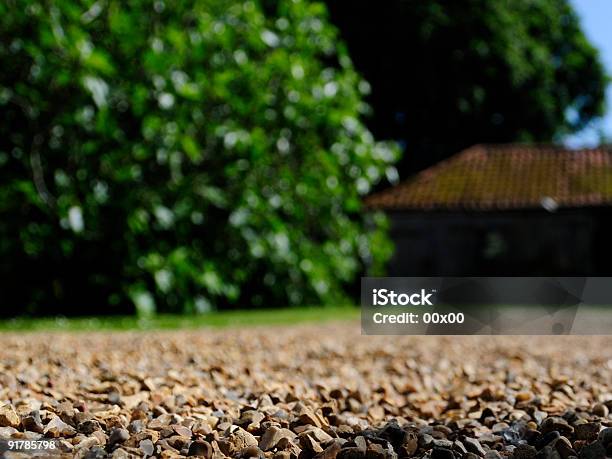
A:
594, 450
272, 436
587, 431
33, 423
252, 452
147, 447
605, 436
118, 435
182, 431
525, 452
8, 417
442, 453
95, 453
564, 447
200, 448
57, 428
88, 427
601, 410
556, 424
474, 446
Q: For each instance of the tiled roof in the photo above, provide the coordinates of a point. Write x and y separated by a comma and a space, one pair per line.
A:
490, 177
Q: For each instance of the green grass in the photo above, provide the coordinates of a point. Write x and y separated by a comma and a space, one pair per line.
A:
237, 318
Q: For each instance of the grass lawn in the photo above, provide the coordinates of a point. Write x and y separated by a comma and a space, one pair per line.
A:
284, 316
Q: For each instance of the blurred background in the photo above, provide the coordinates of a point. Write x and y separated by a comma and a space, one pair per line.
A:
189, 156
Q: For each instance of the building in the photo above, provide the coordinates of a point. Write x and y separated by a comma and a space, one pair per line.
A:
504, 210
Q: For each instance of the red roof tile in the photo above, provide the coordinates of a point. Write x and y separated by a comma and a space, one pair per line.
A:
490, 177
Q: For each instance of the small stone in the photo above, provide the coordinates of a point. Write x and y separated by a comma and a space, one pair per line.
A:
360, 442
240, 438
118, 435
80, 417
136, 426
410, 444
425, 440
544, 440
7, 432
474, 446
394, 434
549, 452
459, 448
318, 434
8, 416
539, 416
601, 410
330, 452
114, 398
556, 424
308, 443
351, 452
499, 427
593, 451
33, 423
272, 436
89, 427
309, 418
376, 451
524, 396
442, 453
252, 451
442, 443
95, 453
182, 431
200, 448
564, 448
86, 444
100, 436
525, 452
58, 428
147, 447
511, 436
587, 431
605, 436
120, 453
251, 419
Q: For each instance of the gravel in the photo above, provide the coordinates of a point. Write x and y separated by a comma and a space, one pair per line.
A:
306, 392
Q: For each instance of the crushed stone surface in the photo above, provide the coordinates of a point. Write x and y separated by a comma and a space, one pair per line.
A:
304, 392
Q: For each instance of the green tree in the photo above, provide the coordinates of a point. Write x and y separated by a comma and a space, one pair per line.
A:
180, 155
446, 74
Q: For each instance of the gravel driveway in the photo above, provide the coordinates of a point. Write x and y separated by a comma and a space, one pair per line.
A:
304, 392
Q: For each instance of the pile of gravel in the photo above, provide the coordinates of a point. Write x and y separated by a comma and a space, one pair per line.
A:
306, 392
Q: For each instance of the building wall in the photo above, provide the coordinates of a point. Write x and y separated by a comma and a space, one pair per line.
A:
501, 243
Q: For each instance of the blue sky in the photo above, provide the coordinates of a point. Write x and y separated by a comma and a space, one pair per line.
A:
596, 18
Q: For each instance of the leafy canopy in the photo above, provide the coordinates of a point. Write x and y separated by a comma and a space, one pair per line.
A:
181, 155
447, 74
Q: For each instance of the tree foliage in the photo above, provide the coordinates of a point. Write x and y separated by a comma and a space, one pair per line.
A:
179, 156
446, 74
